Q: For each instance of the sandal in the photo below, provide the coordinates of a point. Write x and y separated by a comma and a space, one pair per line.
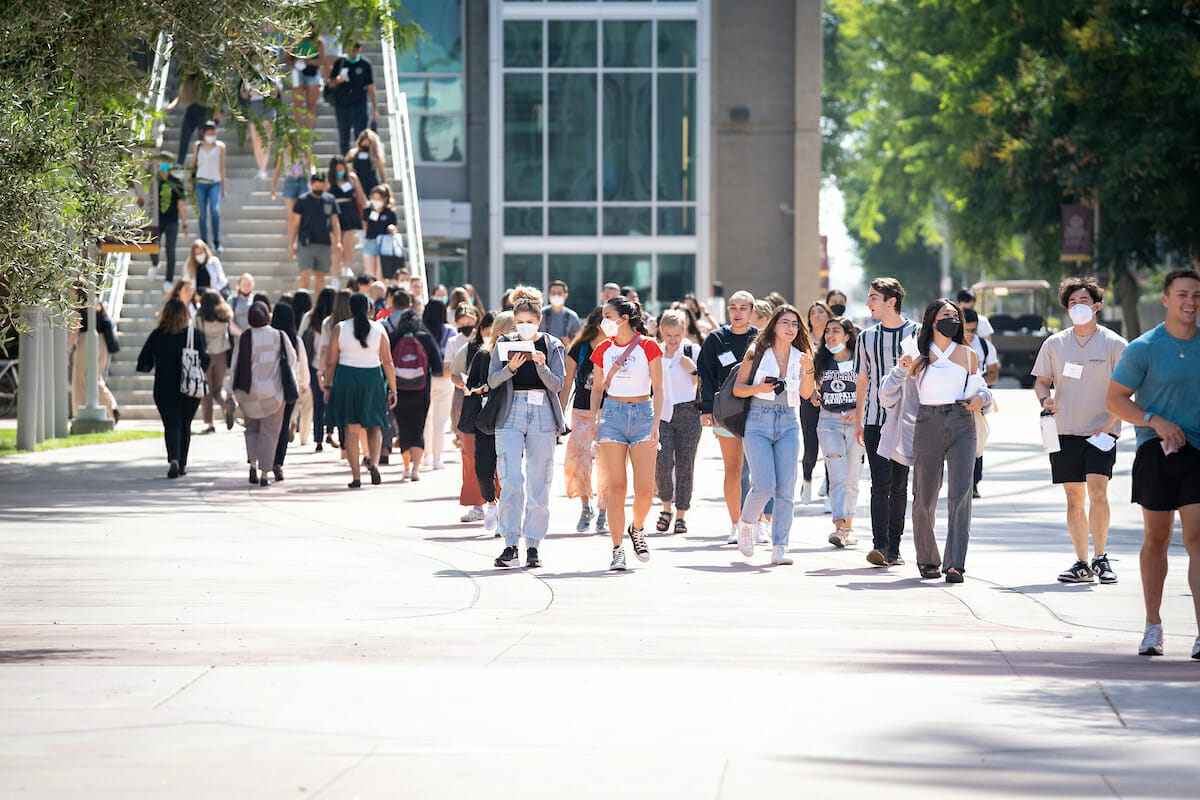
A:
680, 525
664, 522
929, 571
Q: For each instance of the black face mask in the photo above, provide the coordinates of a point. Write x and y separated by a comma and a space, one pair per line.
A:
465, 330
948, 327
317, 192
838, 309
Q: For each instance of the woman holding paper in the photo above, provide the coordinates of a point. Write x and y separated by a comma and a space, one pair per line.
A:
525, 375
776, 374
948, 390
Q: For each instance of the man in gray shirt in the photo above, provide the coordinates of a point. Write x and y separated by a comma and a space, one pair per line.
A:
558, 320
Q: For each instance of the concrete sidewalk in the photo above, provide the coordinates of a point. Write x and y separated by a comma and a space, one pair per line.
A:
205, 638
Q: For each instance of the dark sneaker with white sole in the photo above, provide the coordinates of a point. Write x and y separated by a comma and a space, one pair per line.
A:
585, 520
638, 539
1079, 572
531, 558
511, 557
1102, 569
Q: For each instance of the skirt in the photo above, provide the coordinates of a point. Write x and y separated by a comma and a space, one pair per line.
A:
580, 458
358, 397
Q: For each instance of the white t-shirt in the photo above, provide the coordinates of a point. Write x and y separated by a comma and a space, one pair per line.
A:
985, 328
632, 378
351, 353
679, 384
989, 359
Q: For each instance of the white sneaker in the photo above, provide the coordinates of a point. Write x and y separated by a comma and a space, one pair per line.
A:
438, 465
474, 515
1152, 641
835, 538
261, 175
828, 509
733, 530
414, 475
489, 517
745, 538
168, 286
779, 556
806, 493
762, 532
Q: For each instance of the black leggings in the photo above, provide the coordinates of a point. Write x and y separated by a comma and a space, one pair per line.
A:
284, 435
177, 411
808, 427
485, 465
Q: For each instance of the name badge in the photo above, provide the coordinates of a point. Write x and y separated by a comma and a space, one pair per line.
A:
726, 358
363, 155
346, 186
536, 398
374, 216
1072, 370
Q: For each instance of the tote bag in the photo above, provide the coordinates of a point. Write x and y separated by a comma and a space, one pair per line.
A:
192, 381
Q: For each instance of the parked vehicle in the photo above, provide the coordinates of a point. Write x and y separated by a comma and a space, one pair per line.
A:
1018, 312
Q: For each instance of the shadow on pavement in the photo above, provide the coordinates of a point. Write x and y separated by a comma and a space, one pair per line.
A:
42, 655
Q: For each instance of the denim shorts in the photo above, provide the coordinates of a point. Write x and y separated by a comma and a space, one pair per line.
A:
308, 80
371, 247
625, 423
294, 186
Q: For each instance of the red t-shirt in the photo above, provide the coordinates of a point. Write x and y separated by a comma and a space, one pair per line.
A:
632, 378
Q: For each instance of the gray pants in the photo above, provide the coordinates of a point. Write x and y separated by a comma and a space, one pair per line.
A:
678, 440
262, 435
944, 437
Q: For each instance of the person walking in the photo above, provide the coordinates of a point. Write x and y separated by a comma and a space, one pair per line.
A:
208, 165
581, 446
214, 320
463, 369
876, 353
172, 215
776, 374
441, 389
950, 391
302, 417
627, 399
417, 359
360, 386
295, 170
351, 200
259, 389
989, 369
283, 320
486, 460
810, 410
367, 158
312, 230
353, 83
162, 354
106, 346
724, 348
525, 380
380, 221
557, 320
309, 63
836, 389
312, 333
240, 304
679, 430
203, 268
1163, 367
1073, 370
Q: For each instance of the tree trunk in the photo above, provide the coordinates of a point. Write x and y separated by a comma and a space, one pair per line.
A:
1128, 289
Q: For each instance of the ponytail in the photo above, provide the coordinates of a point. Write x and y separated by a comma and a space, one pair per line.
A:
632, 309
358, 312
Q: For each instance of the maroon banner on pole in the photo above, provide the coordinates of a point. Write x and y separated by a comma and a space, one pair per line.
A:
1076, 233
824, 263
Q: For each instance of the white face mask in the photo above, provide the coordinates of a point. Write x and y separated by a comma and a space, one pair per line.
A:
1080, 313
609, 327
557, 301
201, 257
527, 330
210, 139
377, 205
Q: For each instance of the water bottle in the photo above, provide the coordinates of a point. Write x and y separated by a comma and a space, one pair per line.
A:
1049, 433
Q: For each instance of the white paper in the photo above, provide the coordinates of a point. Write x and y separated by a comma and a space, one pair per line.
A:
345, 73
1102, 441
909, 347
513, 347
536, 398
725, 359
1072, 370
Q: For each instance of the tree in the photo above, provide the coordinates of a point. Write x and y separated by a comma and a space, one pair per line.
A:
72, 95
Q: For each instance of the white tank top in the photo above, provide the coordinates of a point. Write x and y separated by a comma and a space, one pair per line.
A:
208, 162
942, 381
351, 353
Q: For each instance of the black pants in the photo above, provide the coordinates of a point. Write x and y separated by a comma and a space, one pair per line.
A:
351, 122
808, 428
193, 119
177, 411
314, 386
889, 496
978, 473
168, 235
485, 465
281, 445
410, 412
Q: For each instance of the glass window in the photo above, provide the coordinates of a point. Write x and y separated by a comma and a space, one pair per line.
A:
522, 44
440, 139
627, 137
571, 43
571, 115
522, 268
630, 270
676, 137
676, 277
620, 221
677, 43
579, 273
440, 50
572, 221
523, 137
676, 221
450, 272
523, 221
433, 94
627, 44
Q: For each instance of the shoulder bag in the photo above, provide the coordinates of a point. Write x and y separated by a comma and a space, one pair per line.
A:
729, 411
291, 392
192, 380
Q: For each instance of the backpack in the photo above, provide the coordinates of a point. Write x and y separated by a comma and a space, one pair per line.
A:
412, 364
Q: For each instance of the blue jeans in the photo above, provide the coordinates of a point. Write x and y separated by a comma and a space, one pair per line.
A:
208, 195
843, 460
527, 435
772, 446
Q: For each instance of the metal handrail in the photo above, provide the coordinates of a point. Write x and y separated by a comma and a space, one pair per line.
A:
402, 165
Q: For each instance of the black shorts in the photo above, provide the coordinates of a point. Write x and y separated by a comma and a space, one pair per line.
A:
1077, 459
1166, 483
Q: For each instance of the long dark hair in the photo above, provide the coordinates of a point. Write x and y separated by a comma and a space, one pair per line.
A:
591, 327
632, 309
323, 307
284, 319
213, 307
409, 322
824, 359
927, 328
484, 322
302, 303
434, 317
766, 339
360, 313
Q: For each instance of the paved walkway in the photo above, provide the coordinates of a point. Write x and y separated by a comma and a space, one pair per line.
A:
202, 638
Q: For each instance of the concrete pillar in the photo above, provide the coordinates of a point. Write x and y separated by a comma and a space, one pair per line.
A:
30, 388
806, 233
92, 417
62, 387
45, 377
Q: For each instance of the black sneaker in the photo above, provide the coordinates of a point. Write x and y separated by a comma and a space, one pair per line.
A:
638, 539
531, 558
509, 558
1102, 569
1079, 572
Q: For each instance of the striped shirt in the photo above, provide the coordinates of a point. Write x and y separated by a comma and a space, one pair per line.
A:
876, 352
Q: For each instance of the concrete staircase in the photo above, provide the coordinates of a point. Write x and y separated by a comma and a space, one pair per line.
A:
253, 234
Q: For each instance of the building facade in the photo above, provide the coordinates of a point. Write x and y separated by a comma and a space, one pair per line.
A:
661, 144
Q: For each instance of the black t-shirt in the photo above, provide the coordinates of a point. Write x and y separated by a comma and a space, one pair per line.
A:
354, 91
343, 193
581, 354
170, 192
378, 222
722, 351
314, 213
526, 376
